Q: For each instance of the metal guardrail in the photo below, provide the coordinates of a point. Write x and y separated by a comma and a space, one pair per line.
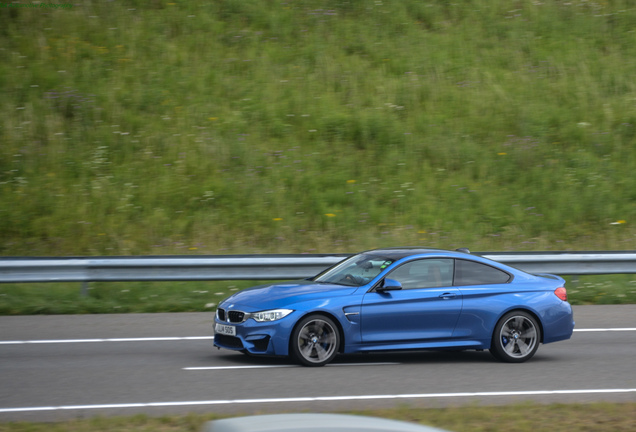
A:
273, 267
568, 263
164, 268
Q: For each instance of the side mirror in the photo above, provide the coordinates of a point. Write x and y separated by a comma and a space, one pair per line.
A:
389, 285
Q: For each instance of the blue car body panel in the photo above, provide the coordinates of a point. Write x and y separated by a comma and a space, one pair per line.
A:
453, 316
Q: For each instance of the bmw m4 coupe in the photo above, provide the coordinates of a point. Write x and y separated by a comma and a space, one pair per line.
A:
399, 299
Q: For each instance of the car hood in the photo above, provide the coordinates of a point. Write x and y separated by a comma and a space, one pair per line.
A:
282, 294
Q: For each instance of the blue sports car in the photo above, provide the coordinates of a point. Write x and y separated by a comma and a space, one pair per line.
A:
399, 299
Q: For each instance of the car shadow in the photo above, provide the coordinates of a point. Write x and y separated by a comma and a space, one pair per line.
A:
403, 357
421, 357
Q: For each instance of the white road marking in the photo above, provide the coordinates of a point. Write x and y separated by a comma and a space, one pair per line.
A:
61, 341
155, 339
236, 367
184, 338
199, 368
320, 399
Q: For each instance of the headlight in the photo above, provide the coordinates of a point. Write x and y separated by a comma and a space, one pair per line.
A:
270, 315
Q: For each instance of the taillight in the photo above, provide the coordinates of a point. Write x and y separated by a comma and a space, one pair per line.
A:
561, 293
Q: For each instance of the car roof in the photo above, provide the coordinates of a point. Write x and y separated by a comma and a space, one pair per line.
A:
403, 252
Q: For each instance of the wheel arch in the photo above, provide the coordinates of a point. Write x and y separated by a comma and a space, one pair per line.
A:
332, 317
522, 309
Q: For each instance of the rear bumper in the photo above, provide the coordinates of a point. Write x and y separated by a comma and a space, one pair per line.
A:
559, 325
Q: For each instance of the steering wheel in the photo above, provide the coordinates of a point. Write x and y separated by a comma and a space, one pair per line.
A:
351, 278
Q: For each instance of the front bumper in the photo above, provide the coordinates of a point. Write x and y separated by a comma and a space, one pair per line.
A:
271, 338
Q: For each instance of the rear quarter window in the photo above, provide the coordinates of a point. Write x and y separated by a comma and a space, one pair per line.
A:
474, 273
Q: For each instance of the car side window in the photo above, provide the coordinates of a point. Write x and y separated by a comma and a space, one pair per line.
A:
474, 273
424, 273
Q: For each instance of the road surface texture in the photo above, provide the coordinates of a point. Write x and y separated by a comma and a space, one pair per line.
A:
60, 367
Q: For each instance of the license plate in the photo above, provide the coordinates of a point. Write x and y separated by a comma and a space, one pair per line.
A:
225, 329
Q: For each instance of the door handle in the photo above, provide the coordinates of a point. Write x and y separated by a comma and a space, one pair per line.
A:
447, 296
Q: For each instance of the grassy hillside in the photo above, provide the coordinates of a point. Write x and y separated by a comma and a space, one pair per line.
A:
247, 126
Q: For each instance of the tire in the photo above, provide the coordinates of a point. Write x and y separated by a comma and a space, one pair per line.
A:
516, 337
315, 341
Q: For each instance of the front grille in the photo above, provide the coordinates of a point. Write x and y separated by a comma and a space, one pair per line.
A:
228, 341
221, 314
236, 316
231, 316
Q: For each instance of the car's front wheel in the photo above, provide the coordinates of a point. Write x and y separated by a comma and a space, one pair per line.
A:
315, 340
516, 337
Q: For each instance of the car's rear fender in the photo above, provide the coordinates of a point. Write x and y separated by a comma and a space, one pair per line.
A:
482, 309
529, 311
555, 323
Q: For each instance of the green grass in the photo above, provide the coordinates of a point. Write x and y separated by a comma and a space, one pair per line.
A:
606, 289
146, 297
597, 417
115, 297
317, 126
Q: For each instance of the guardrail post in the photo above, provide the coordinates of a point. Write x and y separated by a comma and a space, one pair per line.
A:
84, 289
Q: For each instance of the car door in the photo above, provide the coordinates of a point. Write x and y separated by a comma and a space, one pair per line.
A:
425, 309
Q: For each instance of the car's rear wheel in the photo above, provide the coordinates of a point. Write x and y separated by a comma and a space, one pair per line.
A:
315, 340
516, 337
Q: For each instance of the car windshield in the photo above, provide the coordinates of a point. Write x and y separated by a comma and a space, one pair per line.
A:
357, 270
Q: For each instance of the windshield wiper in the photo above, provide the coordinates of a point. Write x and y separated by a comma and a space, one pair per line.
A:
333, 283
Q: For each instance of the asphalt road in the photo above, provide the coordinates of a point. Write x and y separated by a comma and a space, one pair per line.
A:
58, 367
